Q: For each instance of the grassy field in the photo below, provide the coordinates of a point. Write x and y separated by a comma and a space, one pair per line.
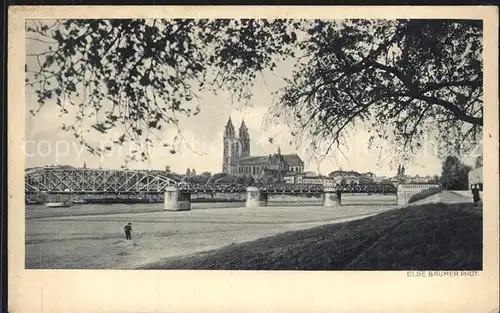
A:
91, 236
424, 194
433, 236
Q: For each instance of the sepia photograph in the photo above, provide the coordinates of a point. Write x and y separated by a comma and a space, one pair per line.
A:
253, 157
254, 144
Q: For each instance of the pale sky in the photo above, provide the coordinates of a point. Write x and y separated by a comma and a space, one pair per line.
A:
47, 144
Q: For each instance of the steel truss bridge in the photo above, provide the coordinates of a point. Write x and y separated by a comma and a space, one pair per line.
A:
240, 188
63, 180
96, 181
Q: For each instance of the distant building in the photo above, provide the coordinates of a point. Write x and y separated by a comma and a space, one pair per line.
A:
420, 179
401, 174
235, 147
237, 160
290, 179
307, 178
350, 177
333, 179
254, 165
323, 180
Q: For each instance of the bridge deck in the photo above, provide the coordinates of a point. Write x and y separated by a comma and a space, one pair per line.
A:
63, 180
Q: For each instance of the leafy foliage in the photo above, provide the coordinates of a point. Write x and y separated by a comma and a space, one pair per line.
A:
198, 179
227, 179
142, 74
432, 180
424, 194
403, 79
249, 180
208, 178
479, 162
455, 174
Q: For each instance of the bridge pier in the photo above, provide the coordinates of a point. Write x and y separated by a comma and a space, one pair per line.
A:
330, 198
402, 198
176, 200
405, 191
255, 198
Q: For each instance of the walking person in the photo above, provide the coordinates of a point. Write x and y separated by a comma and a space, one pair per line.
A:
475, 194
128, 231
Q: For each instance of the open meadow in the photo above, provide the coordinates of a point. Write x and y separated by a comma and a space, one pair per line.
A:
91, 236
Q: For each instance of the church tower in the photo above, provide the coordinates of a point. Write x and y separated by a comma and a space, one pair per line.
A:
231, 149
244, 138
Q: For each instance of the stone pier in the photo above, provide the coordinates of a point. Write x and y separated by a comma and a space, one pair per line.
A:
405, 191
402, 197
255, 198
176, 200
330, 198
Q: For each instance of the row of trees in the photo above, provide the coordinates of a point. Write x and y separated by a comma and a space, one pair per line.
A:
433, 180
362, 180
224, 178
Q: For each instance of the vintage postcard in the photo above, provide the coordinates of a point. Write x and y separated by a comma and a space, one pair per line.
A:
185, 159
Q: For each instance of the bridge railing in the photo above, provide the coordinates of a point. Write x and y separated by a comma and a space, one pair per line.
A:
211, 188
286, 188
370, 188
417, 186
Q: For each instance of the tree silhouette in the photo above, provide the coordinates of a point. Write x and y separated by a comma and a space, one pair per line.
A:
143, 74
454, 174
402, 78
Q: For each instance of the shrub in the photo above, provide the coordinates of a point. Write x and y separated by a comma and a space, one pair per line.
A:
424, 194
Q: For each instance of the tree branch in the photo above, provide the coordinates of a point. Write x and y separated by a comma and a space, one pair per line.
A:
463, 83
460, 114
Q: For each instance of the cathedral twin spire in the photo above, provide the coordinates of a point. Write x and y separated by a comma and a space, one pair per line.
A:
401, 170
236, 146
243, 133
230, 132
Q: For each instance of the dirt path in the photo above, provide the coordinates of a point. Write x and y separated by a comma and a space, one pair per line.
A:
444, 197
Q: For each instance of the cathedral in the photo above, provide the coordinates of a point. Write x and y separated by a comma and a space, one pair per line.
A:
238, 161
401, 174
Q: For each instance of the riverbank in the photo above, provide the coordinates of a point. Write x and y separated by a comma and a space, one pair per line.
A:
347, 199
91, 236
143, 201
433, 236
